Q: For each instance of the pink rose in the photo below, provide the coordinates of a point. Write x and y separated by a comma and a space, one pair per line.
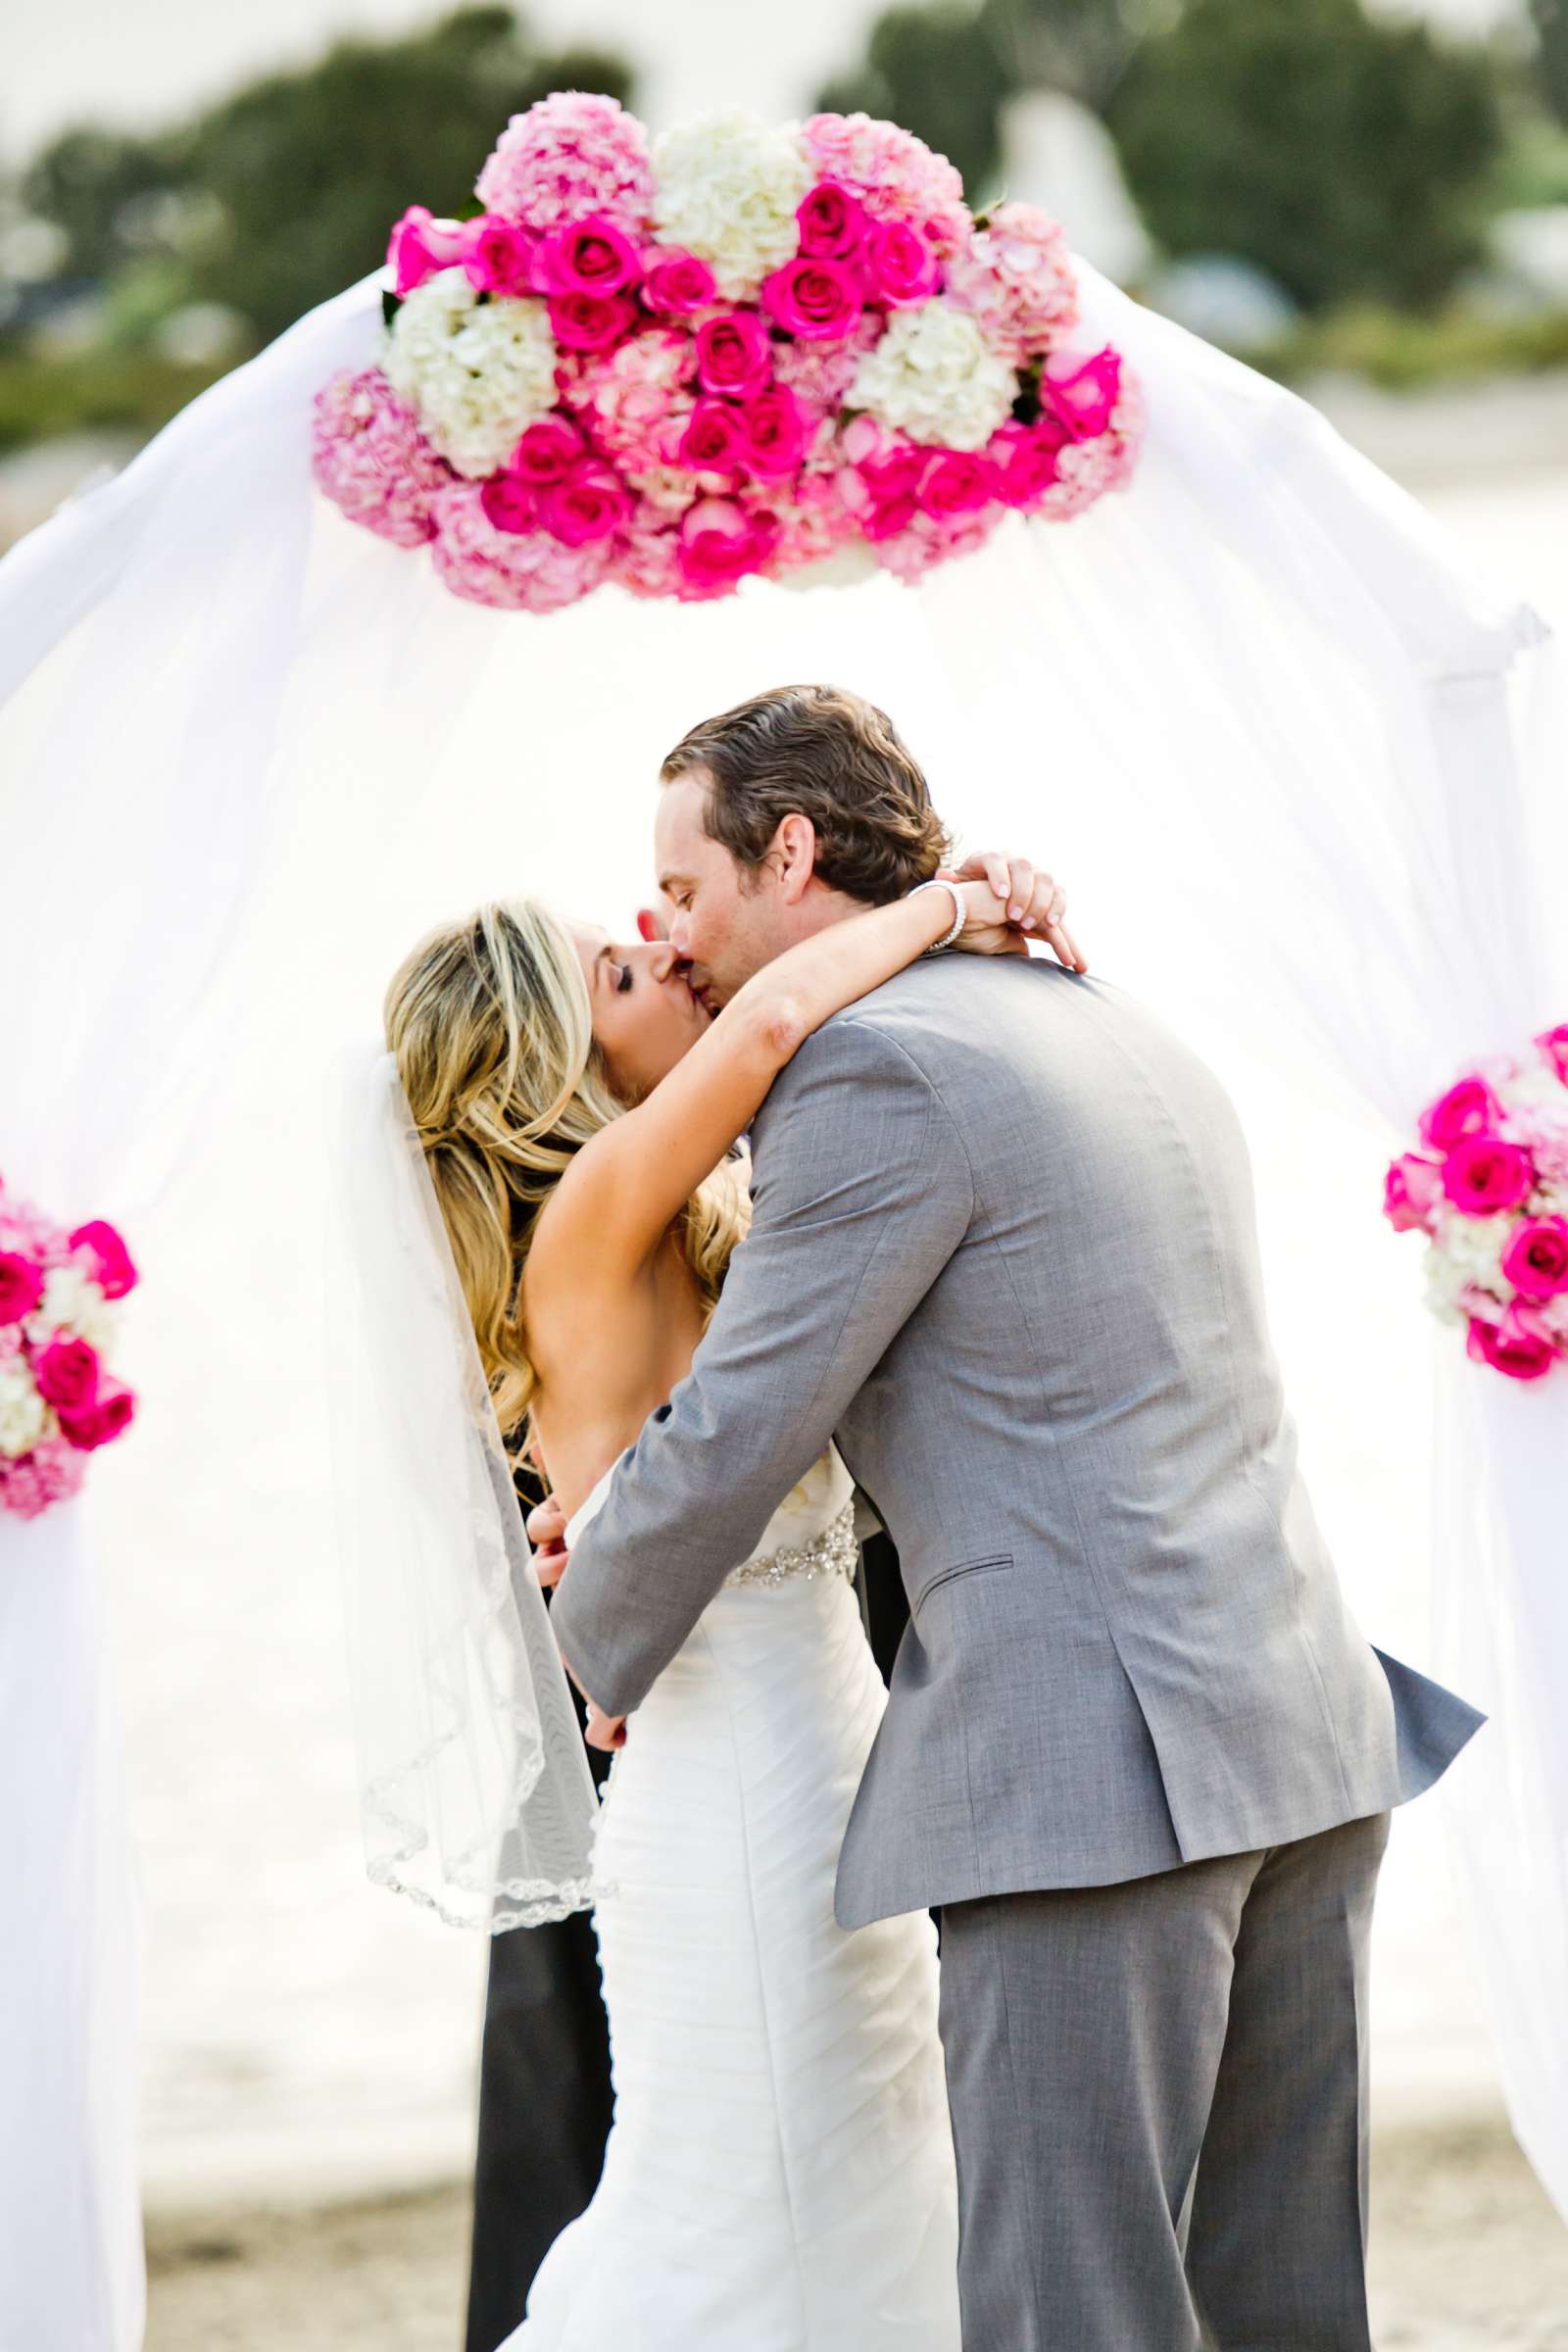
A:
1083, 396
734, 355
1027, 456
590, 504
676, 284
419, 245
720, 542
885, 492
590, 321
21, 1285
589, 257
1465, 1110
1411, 1191
714, 439
109, 1415
67, 1374
111, 1269
955, 481
1516, 1346
1483, 1174
815, 297
510, 503
901, 267
497, 255
1536, 1258
1553, 1043
774, 425
832, 221
547, 452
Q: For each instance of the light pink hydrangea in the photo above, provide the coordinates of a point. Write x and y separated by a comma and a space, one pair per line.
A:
25, 1230
928, 540
517, 571
570, 154
813, 519
1543, 1133
51, 1472
648, 562
372, 460
821, 374
896, 176
636, 400
1014, 277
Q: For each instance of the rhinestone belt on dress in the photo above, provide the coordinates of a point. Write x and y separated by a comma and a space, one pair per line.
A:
833, 1552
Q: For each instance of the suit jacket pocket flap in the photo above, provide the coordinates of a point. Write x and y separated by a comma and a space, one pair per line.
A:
948, 1576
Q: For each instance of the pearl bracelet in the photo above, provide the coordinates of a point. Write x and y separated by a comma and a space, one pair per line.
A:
961, 913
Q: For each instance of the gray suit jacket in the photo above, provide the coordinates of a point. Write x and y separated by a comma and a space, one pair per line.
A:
1005, 1251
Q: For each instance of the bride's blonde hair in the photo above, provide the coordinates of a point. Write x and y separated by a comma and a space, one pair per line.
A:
490, 1024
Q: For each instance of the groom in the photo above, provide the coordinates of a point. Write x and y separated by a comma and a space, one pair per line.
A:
1136, 1748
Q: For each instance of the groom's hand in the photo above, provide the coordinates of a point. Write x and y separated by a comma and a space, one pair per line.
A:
546, 1526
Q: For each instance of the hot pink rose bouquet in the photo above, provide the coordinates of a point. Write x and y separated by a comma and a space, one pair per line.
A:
1489, 1187
58, 1400
674, 364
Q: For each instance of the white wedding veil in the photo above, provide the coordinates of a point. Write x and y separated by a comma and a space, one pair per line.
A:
478, 1801
1302, 771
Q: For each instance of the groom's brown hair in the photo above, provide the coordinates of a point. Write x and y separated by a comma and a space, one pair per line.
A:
823, 752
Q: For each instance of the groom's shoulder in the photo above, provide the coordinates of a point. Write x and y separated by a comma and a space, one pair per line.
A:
927, 1026
953, 1005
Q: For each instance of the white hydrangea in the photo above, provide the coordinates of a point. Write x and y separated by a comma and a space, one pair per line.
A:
726, 188
934, 377
72, 1302
1465, 1251
478, 371
23, 1411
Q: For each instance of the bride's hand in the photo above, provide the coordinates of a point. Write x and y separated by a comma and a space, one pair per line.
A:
546, 1530
1008, 903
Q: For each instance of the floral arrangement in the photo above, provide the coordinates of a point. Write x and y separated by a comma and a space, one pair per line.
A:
731, 349
1490, 1192
58, 1402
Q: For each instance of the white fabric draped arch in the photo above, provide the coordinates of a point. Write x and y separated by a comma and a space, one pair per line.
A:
1302, 771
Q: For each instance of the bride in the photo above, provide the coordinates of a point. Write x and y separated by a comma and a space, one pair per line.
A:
780, 2171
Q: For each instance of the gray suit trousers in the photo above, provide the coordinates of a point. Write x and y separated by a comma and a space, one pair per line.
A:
1160, 2104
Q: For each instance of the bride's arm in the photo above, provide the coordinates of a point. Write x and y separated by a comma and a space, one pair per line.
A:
617, 1200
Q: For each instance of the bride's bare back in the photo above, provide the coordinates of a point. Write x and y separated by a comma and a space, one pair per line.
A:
607, 1353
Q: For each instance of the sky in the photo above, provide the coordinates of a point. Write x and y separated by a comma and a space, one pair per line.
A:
143, 62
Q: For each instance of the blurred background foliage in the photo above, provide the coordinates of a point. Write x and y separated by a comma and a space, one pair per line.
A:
168, 257
1366, 177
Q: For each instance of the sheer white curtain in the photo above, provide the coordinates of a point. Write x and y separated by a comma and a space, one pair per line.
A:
1255, 709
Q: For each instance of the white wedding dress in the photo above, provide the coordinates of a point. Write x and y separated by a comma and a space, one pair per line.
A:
779, 2176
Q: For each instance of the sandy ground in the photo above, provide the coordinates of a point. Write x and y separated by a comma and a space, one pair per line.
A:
1467, 2257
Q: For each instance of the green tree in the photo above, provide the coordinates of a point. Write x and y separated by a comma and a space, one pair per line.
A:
936, 71
1345, 154
102, 187
1550, 20
274, 199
